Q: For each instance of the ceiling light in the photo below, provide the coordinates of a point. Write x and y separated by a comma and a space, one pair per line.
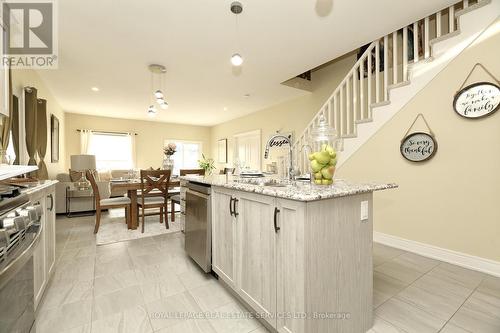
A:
236, 59
160, 101
225, 108
151, 111
158, 94
164, 106
236, 8
94, 89
246, 95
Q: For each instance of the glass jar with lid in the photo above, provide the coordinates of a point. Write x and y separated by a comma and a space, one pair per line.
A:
324, 144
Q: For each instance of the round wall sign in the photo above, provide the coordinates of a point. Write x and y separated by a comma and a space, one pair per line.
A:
418, 147
477, 100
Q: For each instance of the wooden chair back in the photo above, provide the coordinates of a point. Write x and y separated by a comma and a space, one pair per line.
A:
95, 189
227, 171
185, 172
155, 180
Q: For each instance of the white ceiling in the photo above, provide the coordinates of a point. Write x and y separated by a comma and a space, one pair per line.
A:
109, 43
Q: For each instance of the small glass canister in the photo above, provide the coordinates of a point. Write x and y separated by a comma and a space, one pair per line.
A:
324, 144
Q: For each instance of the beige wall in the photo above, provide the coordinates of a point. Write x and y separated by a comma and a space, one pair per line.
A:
452, 200
23, 78
149, 141
292, 115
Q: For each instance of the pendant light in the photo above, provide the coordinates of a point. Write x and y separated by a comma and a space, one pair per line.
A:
157, 94
236, 9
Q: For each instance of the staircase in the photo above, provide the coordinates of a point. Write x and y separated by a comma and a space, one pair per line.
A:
392, 70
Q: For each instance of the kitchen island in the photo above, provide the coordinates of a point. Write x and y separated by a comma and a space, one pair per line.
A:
299, 255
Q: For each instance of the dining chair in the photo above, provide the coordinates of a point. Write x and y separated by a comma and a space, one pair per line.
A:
176, 198
154, 190
101, 204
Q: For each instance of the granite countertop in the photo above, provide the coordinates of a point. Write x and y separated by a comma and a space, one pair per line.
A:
42, 184
299, 191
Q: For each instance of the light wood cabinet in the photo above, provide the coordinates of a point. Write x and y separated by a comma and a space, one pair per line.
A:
290, 266
256, 242
223, 236
44, 254
304, 266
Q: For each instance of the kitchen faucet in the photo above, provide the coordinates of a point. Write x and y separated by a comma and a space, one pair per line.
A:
278, 140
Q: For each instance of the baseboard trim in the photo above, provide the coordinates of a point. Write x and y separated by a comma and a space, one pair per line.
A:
453, 257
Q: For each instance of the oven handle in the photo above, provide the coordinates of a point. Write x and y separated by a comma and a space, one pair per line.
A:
8, 272
198, 194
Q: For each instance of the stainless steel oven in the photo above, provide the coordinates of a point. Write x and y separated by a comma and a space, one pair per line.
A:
198, 225
20, 230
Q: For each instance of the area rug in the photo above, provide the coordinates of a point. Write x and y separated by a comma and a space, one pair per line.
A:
113, 228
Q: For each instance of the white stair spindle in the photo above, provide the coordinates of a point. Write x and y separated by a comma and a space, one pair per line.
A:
355, 95
377, 70
426, 38
369, 85
466, 3
395, 57
336, 113
438, 24
362, 89
348, 100
386, 67
331, 120
342, 110
415, 42
405, 53
451, 19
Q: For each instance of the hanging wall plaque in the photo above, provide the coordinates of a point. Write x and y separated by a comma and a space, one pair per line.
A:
479, 99
418, 146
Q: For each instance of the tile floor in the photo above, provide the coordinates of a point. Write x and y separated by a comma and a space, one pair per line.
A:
130, 286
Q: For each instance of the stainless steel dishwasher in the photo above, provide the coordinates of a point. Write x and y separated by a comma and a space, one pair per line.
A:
198, 224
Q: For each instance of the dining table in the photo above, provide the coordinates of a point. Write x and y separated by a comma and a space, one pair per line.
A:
131, 186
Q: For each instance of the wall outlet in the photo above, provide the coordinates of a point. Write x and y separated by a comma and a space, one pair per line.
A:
364, 211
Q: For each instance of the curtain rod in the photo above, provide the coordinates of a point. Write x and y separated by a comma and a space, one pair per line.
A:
109, 132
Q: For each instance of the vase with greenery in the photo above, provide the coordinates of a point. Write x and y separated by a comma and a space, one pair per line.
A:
168, 161
207, 164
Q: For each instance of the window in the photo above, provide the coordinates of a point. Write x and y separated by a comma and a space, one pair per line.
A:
112, 151
187, 154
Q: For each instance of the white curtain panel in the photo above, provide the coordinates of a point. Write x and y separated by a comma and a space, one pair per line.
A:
132, 150
85, 141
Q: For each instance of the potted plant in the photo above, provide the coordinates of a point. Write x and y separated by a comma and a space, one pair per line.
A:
207, 164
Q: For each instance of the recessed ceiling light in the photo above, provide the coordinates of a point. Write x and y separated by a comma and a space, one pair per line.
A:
246, 95
225, 108
94, 89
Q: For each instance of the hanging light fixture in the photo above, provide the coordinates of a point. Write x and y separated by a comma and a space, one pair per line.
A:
236, 59
152, 111
236, 9
158, 70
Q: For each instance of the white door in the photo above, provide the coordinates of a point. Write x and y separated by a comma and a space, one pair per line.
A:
247, 150
290, 265
223, 235
257, 253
